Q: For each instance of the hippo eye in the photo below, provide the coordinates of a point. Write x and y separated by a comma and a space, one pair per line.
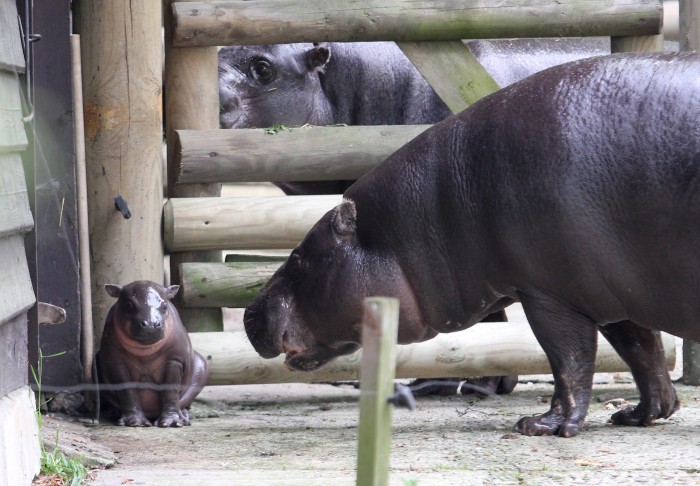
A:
262, 70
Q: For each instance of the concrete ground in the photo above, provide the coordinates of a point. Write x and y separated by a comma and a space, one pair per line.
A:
306, 434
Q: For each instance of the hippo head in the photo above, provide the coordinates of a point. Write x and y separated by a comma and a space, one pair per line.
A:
260, 86
142, 309
312, 307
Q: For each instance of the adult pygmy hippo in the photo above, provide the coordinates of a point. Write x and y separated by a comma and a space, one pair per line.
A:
144, 341
575, 191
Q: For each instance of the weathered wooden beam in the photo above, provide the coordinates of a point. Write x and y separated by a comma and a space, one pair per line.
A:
296, 154
223, 284
241, 223
486, 349
191, 102
452, 70
281, 21
122, 64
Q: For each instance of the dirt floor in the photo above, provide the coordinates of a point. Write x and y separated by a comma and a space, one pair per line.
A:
307, 434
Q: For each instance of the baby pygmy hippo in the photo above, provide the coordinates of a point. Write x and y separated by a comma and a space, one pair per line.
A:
145, 342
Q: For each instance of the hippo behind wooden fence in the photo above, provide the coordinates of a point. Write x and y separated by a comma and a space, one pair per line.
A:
145, 342
360, 83
575, 191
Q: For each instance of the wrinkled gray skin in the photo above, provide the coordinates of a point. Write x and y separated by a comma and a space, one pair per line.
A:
367, 84
362, 83
575, 191
144, 341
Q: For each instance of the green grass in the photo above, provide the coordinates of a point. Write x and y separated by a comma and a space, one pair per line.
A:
54, 462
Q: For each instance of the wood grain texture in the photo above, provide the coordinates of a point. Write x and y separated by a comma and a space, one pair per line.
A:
242, 223
16, 291
122, 63
452, 70
223, 284
296, 154
379, 330
281, 21
11, 55
12, 135
15, 215
486, 349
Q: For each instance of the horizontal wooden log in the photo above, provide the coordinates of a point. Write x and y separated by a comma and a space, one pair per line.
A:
281, 21
486, 349
296, 154
223, 284
241, 223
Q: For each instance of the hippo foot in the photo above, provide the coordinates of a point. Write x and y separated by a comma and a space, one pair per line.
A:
134, 420
488, 385
645, 414
443, 387
176, 418
550, 423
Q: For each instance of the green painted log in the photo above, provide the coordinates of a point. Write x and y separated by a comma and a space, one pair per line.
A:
452, 70
296, 154
281, 21
223, 284
380, 327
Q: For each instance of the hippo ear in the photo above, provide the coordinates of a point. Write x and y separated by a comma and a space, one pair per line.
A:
318, 57
171, 291
113, 290
344, 218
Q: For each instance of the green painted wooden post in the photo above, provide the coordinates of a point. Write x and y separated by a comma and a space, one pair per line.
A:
452, 70
379, 330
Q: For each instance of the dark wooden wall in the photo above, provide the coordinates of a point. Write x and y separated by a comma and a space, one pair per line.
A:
51, 170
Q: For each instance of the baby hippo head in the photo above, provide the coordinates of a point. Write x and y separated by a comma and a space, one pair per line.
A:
260, 86
142, 310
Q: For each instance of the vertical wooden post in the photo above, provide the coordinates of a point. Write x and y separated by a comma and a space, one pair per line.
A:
689, 37
122, 91
191, 102
379, 332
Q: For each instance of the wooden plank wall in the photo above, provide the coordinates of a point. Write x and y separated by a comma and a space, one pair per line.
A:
16, 293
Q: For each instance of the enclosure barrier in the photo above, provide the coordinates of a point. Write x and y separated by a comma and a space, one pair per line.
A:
486, 349
282, 21
205, 157
295, 154
240, 223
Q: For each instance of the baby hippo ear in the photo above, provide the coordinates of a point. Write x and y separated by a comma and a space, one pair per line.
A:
344, 218
171, 291
113, 290
318, 57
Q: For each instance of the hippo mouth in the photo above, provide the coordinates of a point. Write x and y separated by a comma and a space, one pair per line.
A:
298, 359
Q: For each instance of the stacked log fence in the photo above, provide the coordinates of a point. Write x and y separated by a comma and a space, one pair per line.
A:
202, 157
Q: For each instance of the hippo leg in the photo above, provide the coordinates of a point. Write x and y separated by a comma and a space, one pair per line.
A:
569, 340
171, 415
200, 368
642, 349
